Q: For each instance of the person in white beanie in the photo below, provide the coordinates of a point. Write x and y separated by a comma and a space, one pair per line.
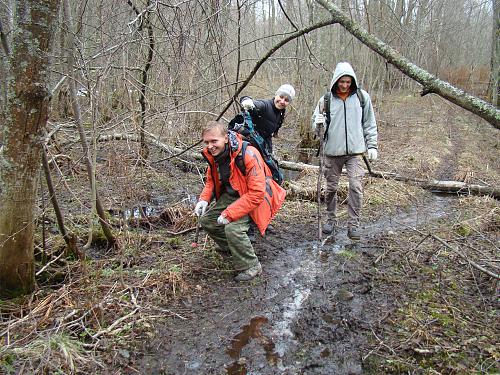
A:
268, 114
350, 130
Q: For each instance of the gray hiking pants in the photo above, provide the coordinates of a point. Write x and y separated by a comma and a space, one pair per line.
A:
231, 237
355, 172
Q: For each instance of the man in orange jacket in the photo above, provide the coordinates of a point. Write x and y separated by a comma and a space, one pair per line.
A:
243, 188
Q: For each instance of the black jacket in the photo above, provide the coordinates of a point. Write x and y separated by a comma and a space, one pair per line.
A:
267, 119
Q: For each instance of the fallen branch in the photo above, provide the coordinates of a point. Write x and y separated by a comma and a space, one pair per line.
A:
453, 187
463, 256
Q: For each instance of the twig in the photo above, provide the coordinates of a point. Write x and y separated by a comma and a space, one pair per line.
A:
112, 326
472, 263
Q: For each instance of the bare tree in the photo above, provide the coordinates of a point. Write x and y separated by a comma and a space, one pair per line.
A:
495, 54
430, 83
23, 134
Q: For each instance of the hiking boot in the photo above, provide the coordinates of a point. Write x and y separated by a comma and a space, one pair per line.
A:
353, 233
328, 227
249, 274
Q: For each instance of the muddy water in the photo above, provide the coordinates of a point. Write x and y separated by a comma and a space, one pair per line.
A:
310, 312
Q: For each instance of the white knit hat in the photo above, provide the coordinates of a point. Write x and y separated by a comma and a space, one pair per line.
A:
286, 90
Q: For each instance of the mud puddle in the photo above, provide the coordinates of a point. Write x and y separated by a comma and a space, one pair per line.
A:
310, 313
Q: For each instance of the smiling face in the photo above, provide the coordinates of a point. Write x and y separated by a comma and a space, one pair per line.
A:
215, 141
344, 83
281, 101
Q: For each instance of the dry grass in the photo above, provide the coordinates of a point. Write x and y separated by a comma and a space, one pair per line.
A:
445, 315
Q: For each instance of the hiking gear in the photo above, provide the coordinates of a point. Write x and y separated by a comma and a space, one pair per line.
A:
353, 233
319, 128
259, 195
222, 220
329, 227
247, 104
355, 173
200, 208
231, 238
249, 274
350, 125
286, 90
243, 124
368, 166
372, 154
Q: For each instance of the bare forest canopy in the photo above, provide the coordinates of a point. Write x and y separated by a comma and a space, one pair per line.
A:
151, 65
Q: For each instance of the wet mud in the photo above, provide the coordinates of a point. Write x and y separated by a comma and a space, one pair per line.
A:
311, 312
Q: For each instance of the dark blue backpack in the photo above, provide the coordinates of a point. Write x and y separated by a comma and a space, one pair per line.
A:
242, 123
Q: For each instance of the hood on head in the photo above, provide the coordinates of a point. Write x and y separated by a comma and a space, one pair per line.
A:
344, 69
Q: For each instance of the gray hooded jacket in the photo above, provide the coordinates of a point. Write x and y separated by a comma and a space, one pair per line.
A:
351, 132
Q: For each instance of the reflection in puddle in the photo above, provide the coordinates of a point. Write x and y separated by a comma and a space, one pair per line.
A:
249, 331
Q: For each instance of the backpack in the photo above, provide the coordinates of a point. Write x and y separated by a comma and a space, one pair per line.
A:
242, 123
327, 98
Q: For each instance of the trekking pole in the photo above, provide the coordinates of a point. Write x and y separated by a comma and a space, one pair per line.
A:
196, 234
368, 166
320, 171
318, 186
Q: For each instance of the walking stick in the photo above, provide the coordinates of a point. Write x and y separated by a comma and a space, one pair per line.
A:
368, 166
318, 186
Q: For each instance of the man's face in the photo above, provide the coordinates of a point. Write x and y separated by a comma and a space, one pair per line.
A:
344, 83
281, 101
215, 141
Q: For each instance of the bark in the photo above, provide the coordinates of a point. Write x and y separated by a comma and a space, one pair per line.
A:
69, 238
23, 130
430, 83
144, 18
495, 54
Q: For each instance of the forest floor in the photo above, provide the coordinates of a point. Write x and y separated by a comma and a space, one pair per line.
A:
415, 295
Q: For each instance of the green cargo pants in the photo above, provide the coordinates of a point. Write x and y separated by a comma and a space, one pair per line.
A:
231, 237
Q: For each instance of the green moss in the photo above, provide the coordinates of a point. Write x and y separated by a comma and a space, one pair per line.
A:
464, 230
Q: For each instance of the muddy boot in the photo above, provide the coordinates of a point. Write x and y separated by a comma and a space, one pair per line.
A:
353, 233
329, 227
249, 274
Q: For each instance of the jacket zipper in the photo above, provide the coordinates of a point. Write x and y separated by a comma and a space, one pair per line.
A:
345, 126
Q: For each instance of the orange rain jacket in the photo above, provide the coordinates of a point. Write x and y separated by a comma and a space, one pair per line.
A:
260, 196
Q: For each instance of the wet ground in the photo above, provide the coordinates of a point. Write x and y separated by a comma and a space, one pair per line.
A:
311, 312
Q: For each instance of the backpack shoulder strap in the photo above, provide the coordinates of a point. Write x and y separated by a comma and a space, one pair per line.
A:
361, 98
240, 158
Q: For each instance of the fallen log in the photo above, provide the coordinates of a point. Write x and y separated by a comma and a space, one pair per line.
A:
436, 186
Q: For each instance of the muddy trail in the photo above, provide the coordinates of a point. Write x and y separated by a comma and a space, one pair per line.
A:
311, 312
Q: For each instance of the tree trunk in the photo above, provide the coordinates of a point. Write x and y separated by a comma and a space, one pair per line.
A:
495, 54
25, 123
78, 120
430, 83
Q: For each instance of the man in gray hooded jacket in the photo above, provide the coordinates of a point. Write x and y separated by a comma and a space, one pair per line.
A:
350, 130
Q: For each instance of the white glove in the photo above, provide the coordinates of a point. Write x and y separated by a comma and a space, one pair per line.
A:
222, 220
247, 104
372, 154
200, 208
319, 119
